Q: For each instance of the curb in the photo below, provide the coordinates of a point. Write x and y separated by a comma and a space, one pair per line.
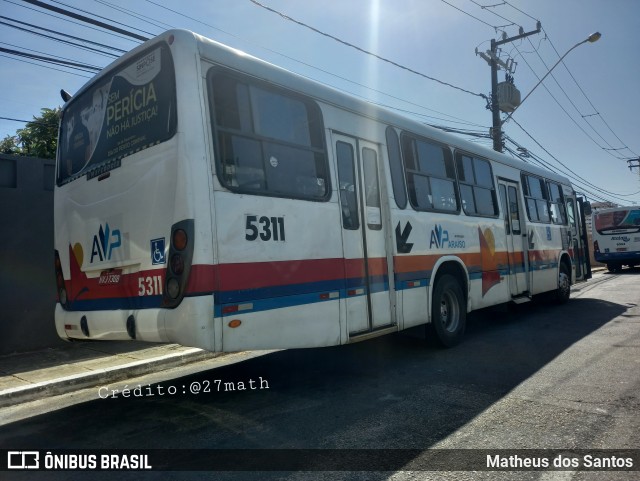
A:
66, 384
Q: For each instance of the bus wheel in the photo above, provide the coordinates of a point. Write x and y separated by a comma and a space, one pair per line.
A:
564, 284
614, 267
448, 312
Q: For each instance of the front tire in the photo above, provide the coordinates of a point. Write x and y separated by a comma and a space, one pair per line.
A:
448, 312
611, 267
564, 284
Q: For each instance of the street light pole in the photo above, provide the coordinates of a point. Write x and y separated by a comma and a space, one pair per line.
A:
594, 37
496, 131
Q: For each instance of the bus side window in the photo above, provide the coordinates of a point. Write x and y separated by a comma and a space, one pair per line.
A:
347, 182
395, 166
431, 178
572, 217
505, 209
558, 215
537, 198
477, 191
371, 188
513, 208
270, 141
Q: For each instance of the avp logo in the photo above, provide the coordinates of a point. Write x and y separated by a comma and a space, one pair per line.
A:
438, 237
104, 242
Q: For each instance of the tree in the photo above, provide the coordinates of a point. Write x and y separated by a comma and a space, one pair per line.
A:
9, 145
39, 138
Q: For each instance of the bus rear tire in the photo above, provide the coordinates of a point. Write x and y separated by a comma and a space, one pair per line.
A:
448, 312
564, 284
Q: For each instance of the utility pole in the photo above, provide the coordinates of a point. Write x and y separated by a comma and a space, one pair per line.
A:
496, 131
633, 165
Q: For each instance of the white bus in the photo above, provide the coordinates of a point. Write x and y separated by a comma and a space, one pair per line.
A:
210, 199
616, 237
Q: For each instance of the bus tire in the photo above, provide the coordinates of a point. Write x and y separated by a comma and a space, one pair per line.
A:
448, 312
564, 284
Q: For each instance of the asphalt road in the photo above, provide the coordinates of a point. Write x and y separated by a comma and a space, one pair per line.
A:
539, 376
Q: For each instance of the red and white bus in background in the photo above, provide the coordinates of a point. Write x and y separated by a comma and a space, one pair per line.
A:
207, 198
616, 237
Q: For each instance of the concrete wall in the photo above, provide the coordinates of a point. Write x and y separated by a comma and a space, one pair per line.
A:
27, 279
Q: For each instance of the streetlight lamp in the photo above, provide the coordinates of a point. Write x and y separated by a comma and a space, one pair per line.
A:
594, 37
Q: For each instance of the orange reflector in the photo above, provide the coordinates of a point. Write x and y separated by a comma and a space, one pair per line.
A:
235, 323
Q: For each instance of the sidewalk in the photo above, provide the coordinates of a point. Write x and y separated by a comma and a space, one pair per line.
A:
27, 376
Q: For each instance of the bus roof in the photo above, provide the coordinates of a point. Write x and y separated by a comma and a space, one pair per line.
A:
230, 57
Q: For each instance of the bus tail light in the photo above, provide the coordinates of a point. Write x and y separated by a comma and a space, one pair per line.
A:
60, 284
596, 247
179, 265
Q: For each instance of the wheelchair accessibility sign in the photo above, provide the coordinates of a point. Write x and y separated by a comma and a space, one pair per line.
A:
157, 251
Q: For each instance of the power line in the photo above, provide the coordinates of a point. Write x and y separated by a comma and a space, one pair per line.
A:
65, 63
37, 51
84, 47
588, 99
565, 111
155, 23
68, 21
45, 66
65, 35
487, 7
472, 16
564, 166
569, 98
82, 18
27, 121
597, 113
99, 16
339, 40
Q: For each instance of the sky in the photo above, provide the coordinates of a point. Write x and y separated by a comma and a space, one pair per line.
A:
582, 121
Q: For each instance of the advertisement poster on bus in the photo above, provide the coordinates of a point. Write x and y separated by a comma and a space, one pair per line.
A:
128, 111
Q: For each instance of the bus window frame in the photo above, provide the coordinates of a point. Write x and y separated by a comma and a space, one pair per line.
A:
396, 167
406, 135
527, 195
458, 154
560, 203
313, 111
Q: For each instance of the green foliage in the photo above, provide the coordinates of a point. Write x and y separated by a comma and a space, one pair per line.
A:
39, 138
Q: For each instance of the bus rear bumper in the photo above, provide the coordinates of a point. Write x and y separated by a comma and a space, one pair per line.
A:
190, 325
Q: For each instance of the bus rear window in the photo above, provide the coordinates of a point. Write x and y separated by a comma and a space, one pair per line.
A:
130, 110
617, 220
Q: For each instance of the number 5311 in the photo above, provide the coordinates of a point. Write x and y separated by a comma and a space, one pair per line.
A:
265, 228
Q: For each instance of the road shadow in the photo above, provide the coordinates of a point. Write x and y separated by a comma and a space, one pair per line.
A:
392, 392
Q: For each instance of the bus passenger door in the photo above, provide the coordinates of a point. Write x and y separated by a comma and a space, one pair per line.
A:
516, 238
364, 234
578, 243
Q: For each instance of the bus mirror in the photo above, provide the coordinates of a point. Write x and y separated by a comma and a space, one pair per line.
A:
586, 206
